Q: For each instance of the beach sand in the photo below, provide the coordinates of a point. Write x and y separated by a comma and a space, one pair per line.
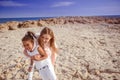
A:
86, 52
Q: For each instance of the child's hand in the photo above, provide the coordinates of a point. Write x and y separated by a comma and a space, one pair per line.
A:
37, 57
32, 57
29, 69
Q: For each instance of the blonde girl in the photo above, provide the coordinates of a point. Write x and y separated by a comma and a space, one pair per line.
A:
47, 41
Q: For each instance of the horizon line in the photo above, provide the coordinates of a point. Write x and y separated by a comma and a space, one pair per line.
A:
59, 16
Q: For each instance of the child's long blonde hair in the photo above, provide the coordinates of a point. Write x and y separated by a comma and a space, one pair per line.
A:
48, 31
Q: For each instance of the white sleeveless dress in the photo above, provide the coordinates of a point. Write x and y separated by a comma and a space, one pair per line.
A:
47, 49
45, 66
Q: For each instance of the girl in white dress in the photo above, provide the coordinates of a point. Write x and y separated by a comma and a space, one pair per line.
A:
47, 41
38, 57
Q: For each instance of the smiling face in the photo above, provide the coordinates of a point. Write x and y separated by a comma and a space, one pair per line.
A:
28, 45
45, 38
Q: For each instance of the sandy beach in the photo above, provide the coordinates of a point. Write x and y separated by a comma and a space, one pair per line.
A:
86, 52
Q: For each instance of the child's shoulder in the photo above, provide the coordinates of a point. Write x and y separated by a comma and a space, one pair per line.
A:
39, 47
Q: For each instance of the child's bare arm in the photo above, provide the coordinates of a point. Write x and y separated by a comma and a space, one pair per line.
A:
53, 58
42, 53
25, 53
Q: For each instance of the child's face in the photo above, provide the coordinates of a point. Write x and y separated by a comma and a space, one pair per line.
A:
45, 38
28, 45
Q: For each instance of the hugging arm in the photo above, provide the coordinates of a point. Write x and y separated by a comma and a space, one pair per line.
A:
42, 53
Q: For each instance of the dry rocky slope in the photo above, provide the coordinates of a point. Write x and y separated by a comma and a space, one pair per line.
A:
87, 50
13, 25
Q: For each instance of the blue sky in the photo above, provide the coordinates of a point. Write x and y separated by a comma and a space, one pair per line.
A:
50, 8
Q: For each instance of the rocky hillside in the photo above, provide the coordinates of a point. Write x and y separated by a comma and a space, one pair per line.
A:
13, 25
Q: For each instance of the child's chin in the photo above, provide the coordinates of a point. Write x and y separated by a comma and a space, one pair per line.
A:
29, 50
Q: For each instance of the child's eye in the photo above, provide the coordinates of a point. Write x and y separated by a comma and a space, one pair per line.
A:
42, 37
27, 44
